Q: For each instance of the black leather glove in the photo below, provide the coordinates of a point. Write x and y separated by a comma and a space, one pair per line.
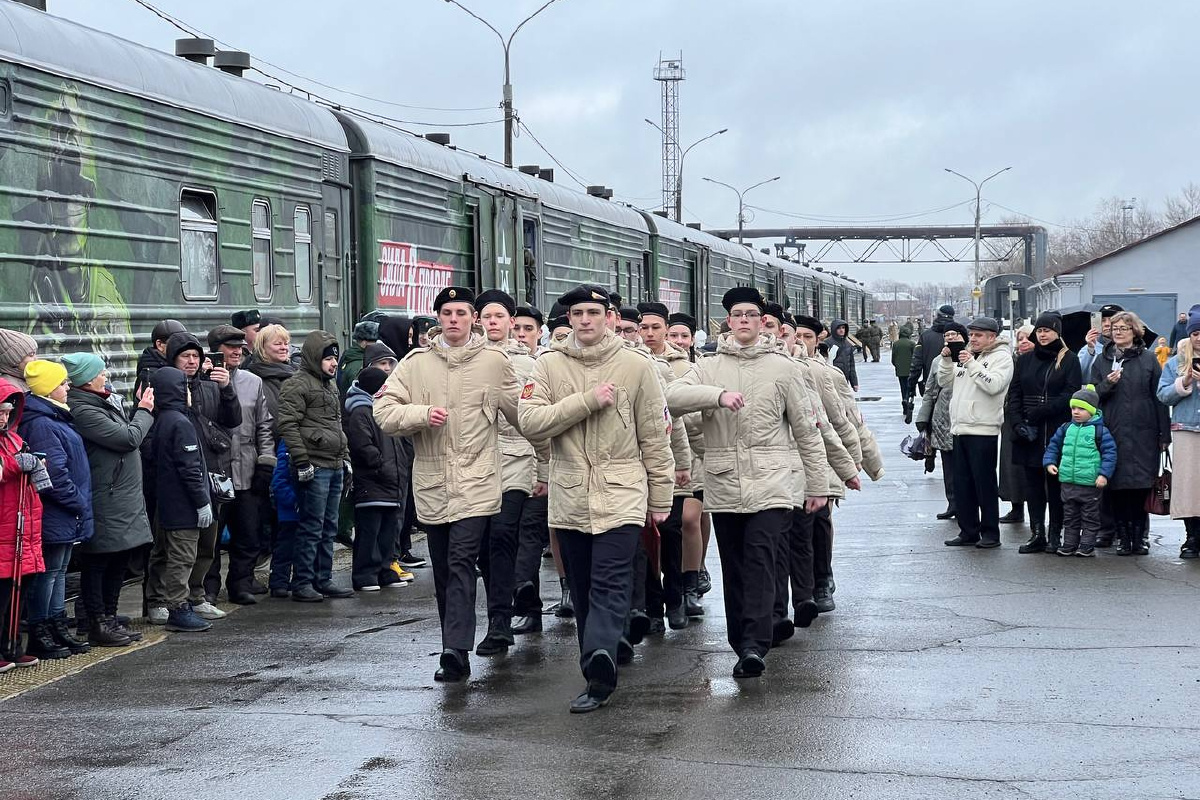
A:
260, 484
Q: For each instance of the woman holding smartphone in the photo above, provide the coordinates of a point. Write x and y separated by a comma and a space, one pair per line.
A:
1126, 376
1178, 389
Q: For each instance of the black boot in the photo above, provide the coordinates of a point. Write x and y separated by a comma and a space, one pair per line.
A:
823, 595
61, 632
1016, 515
41, 642
949, 513
566, 608
1125, 539
1054, 538
691, 594
1141, 542
1104, 539
1037, 539
499, 636
102, 635
1191, 545
453, 666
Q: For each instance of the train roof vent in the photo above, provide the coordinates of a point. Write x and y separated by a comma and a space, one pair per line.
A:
438, 138
546, 175
766, 251
694, 225
198, 51
530, 169
660, 213
235, 62
607, 195
595, 191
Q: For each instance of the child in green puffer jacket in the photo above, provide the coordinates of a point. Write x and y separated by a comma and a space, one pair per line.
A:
1083, 455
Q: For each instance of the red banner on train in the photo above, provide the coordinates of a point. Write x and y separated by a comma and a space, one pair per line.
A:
407, 282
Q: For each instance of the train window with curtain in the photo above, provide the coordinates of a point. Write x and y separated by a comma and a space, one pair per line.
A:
261, 272
302, 236
198, 244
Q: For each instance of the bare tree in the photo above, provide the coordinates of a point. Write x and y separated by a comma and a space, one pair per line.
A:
1181, 207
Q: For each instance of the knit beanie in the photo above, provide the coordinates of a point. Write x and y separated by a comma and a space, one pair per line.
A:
371, 379
1049, 319
1193, 322
44, 377
82, 367
1087, 399
14, 346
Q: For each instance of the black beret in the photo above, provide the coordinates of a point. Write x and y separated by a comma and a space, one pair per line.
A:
652, 307
788, 319
587, 293
531, 312
984, 324
371, 379
743, 294
809, 323
775, 310
243, 319
615, 300
453, 294
630, 314
679, 318
560, 321
497, 296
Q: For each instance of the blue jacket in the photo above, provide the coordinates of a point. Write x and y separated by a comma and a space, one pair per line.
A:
1185, 406
1108, 448
282, 489
67, 505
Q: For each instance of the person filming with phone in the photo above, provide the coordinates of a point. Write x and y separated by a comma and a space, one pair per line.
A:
1177, 388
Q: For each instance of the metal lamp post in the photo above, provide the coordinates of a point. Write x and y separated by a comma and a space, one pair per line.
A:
682, 156
741, 193
976, 302
507, 102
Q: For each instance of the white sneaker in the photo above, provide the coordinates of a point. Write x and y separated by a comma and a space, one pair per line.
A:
371, 588
158, 615
207, 610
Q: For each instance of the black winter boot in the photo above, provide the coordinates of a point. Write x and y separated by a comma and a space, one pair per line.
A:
1141, 543
1191, 545
1037, 539
102, 635
499, 636
1015, 515
1124, 539
566, 608
1054, 539
61, 632
41, 642
691, 594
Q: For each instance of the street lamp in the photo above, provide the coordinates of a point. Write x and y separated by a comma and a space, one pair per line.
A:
507, 102
741, 200
682, 156
977, 302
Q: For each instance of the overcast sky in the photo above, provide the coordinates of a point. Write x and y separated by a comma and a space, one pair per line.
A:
857, 104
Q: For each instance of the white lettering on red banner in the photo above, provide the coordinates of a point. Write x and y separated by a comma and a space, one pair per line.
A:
668, 296
407, 282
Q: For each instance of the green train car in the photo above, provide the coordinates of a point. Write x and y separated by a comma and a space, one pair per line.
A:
136, 185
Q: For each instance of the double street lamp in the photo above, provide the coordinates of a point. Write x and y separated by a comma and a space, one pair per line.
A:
507, 102
977, 303
741, 193
682, 156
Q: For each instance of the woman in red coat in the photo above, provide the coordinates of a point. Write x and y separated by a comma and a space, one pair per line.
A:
16, 464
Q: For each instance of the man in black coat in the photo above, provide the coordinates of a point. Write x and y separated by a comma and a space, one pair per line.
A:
184, 508
154, 357
1179, 331
929, 347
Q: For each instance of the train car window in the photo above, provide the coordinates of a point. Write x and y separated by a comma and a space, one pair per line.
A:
261, 273
5, 99
198, 244
302, 236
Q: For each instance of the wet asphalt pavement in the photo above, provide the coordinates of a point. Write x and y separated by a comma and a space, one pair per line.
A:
943, 673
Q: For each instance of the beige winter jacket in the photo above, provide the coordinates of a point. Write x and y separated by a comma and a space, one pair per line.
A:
677, 364
748, 454
840, 464
980, 386
608, 466
872, 457
519, 462
456, 471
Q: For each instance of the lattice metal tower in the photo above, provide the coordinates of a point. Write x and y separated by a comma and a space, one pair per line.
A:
670, 72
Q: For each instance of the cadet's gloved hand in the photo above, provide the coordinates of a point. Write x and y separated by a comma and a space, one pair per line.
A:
40, 477
27, 462
204, 516
305, 472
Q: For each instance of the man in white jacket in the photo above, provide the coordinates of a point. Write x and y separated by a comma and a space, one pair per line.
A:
980, 378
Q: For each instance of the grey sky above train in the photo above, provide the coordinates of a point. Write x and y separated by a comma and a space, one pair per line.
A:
858, 106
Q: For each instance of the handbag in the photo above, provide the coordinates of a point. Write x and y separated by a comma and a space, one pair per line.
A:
220, 487
1158, 502
915, 447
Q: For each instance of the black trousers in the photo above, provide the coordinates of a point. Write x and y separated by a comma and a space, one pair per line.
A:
532, 538
647, 580
244, 518
948, 475
375, 529
600, 570
1041, 490
1128, 505
822, 544
454, 550
794, 563
976, 493
906, 391
747, 544
670, 555
100, 578
498, 553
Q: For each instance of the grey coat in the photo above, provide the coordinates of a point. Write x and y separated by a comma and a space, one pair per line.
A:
112, 442
935, 412
253, 441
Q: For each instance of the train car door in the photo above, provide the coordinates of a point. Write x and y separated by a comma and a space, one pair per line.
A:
332, 260
699, 270
508, 253
530, 273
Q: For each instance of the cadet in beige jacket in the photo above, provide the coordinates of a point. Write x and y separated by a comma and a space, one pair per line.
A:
448, 397
747, 464
611, 471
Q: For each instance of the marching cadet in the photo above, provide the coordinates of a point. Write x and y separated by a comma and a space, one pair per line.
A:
519, 482
447, 397
611, 471
747, 480
628, 320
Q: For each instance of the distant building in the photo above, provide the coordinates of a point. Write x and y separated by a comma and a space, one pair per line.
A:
1146, 277
897, 305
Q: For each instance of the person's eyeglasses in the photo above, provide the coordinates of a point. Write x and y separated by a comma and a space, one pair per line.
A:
745, 315
1121, 329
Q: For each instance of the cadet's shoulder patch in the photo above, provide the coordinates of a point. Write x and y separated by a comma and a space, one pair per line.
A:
379, 394
667, 419
527, 392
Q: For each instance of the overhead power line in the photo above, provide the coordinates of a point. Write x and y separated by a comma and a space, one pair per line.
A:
553, 158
